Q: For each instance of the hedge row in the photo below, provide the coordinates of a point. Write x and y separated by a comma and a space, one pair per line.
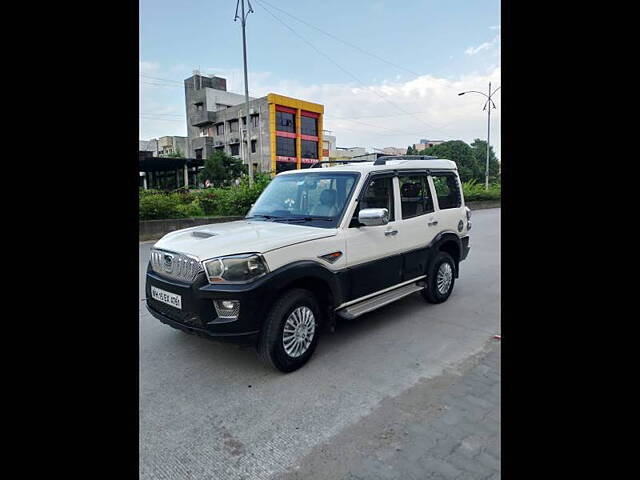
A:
474, 191
237, 200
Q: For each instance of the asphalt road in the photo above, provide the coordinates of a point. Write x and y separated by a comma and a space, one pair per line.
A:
213, 411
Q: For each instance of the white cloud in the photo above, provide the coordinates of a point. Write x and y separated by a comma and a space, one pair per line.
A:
370, 116
483, 46
479, 48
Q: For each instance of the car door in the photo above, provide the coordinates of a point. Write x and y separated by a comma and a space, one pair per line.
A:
418, 222
374, 253
450, 213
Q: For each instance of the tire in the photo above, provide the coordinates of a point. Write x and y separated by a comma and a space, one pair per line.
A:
271, 346
431, 292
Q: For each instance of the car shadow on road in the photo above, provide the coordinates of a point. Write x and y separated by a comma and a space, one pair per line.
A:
368, 326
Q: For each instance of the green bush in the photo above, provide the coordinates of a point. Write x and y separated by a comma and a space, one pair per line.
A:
224, 201
157, 206
474, 191
193, 209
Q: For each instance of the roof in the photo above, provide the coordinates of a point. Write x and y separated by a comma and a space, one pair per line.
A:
366, 167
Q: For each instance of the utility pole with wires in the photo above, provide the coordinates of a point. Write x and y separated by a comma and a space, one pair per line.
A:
243, 18
488, 103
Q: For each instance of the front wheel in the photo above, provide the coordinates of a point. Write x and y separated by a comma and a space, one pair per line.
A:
290, 331
440, 278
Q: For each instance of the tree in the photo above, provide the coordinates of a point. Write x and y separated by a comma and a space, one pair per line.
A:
221, 169
480, 153
177, 154
458, 151
411, 150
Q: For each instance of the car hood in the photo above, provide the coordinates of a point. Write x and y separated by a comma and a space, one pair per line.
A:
242, 236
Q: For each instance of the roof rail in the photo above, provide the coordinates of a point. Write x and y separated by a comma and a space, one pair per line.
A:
383, 160
317, 164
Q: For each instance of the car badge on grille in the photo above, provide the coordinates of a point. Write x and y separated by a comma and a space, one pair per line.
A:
168, 263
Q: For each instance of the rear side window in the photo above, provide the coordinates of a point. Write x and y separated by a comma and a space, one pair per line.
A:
447, 191
415, 195
378, 194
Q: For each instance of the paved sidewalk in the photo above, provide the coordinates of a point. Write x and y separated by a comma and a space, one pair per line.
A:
443, 428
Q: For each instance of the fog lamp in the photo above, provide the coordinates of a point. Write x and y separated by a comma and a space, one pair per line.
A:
227, 309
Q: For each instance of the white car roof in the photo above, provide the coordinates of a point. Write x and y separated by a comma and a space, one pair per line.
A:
397, 164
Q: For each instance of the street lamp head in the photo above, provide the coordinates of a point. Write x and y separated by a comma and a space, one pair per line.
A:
462, 93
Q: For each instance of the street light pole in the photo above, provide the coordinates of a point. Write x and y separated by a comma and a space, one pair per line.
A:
486, 172
488, 103
246, 86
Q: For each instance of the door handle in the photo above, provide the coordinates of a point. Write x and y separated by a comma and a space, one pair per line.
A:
431, 224
390, 232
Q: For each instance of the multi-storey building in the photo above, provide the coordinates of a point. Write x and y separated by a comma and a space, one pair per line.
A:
164, 146
286, 133
328, 146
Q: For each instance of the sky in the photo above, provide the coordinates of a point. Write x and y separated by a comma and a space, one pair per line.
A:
388, 72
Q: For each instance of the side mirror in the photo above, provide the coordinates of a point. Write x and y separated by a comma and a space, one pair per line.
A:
372, 217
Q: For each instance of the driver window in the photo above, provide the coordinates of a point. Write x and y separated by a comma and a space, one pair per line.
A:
379, 194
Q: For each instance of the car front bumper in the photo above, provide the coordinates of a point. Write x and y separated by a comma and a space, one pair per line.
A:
198, 314
465, 247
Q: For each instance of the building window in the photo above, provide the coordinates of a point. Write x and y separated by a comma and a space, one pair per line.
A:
198, 154
254, 121
220, 129
447, 191
235, 149
309, 149
309, 126
253, 146
284, 166
203, 132
285, 122
285, 147
233, 126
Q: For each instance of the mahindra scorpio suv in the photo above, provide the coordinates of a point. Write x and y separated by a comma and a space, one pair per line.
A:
319, 243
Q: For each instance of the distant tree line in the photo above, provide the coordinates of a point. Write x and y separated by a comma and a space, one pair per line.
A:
471, 159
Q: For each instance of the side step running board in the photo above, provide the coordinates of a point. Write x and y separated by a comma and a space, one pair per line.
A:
371, 304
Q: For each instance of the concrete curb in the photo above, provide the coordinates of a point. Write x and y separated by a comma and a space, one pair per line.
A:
482, 204
156, 229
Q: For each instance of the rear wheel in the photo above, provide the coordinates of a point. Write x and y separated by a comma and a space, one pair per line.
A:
440, 278
290, 331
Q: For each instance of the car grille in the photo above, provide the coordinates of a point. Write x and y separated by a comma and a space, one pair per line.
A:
175, 265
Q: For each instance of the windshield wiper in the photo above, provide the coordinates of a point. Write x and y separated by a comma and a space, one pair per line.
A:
307, 219
268, 217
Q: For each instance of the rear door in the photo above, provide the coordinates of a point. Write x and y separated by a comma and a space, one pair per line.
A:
374, 257
418, 222
450, 213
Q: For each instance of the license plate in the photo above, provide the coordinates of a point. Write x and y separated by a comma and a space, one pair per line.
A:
167, 297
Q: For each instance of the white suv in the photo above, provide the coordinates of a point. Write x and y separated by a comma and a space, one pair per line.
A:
318, 242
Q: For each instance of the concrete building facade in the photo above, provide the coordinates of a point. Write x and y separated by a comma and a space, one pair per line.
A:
426, 144
349, 152
328, 146
164, 146
286, 133
394, 150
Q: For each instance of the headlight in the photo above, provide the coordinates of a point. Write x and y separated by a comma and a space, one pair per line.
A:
468, 213
235, 268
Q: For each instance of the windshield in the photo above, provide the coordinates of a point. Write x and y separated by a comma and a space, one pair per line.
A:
317, 199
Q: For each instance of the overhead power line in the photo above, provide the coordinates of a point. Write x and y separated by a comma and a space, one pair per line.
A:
352, 75
330, 35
